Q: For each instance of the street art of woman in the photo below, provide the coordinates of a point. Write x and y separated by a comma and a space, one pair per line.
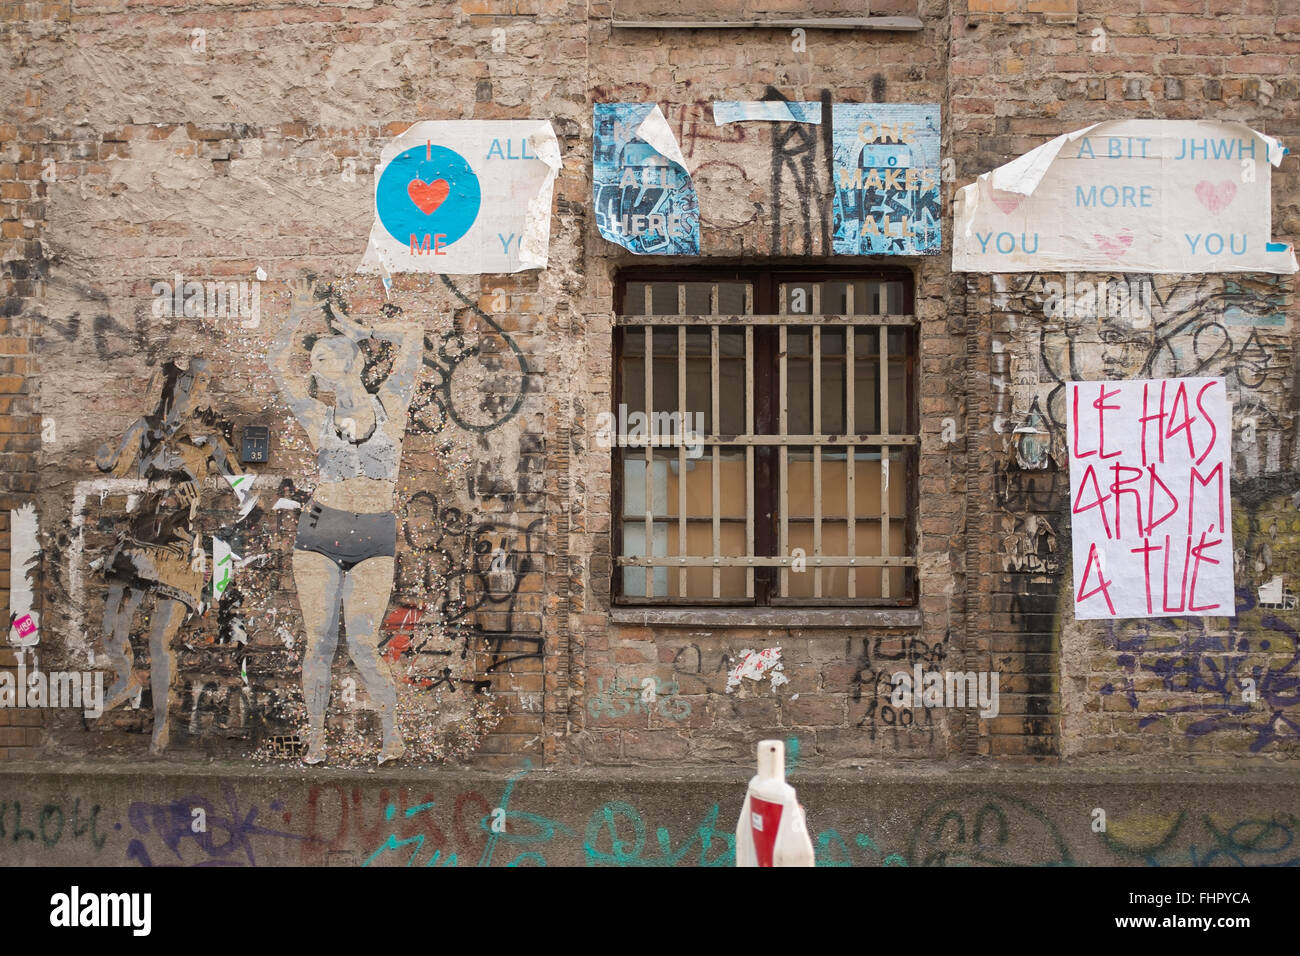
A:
346, 544
161, 554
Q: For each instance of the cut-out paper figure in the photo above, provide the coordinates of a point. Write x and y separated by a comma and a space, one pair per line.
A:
161, 555
344, 552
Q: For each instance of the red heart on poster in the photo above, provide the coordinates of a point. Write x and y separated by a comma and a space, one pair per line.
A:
427, 196
1216, 196
1007, 202
1114, 246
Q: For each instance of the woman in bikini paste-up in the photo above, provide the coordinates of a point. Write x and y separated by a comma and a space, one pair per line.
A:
346, 544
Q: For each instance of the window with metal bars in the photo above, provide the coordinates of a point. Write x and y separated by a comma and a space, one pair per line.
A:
765, 437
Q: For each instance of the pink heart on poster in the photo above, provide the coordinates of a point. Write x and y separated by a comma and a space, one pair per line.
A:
427, 196
1114, 246
1216, 196
1007, 202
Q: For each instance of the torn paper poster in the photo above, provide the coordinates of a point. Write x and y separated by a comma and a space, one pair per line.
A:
223, 568
756, 666
1274, 596
643, 194
1154, 196
24, 554
464, 197
242, 486
772, 111
1150, 498
886, 178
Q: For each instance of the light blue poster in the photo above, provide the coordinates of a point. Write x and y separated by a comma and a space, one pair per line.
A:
886, 184
644, 198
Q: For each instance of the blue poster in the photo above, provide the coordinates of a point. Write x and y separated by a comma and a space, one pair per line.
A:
644, 198
886, 184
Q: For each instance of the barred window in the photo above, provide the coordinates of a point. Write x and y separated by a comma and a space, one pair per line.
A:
764, 438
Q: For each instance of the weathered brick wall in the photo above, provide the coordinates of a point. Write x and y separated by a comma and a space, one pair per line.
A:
765, 196
25, 153
221, 141
208, 142
1171, 686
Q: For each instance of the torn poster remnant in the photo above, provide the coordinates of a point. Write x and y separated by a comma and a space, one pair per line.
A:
1274, 596
643, 194
772, 111
756, 666
464, 198
24, 554
1162, 196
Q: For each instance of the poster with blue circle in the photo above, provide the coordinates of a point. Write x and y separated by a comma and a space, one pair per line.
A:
463, 198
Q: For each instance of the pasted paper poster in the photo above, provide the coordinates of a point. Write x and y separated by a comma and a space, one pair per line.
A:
771, 111
464, 197
1163, 196
886, 179
1150, 498
643, 194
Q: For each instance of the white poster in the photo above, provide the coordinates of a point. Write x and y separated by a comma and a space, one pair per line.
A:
1155, 196
464, 197
1150, 498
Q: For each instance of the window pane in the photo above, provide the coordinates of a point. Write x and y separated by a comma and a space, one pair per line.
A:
867, 482
731, 484
799, 381
664, 300
897, 345
632, 392
634, 299
833, 391
835, 298
699, 389
664, 355
866, 381
874, 297
731, 389
634, 545
634, 500
731, 298
699, 298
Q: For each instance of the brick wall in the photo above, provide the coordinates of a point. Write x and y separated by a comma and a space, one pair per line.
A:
210, 142
24, 152
1125, 691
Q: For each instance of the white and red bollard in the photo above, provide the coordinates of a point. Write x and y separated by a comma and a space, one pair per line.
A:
772, 830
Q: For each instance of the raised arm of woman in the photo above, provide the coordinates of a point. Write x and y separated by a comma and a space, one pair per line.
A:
309, 412
399, 388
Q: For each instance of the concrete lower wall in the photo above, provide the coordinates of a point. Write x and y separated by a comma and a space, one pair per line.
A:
112, 815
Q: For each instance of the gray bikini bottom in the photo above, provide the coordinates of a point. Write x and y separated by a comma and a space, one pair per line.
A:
345, 537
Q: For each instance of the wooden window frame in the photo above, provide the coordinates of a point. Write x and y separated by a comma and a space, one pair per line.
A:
764, 508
